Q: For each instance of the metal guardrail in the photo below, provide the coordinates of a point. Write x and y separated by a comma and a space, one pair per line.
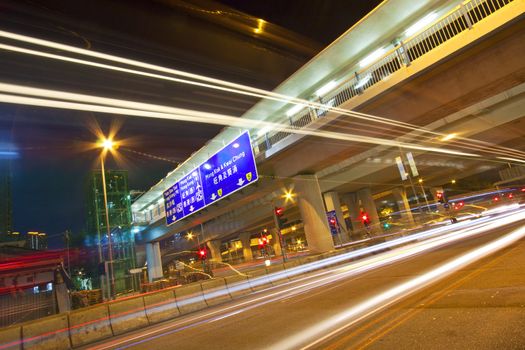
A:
458, 21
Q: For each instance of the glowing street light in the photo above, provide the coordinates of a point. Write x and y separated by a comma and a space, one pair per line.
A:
288, 195
189, 236
107, 145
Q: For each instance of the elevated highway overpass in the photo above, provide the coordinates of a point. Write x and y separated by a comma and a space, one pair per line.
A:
443, 81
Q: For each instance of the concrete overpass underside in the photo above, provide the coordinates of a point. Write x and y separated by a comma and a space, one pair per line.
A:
474, 91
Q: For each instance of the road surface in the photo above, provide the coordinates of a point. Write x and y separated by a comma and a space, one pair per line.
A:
378, 302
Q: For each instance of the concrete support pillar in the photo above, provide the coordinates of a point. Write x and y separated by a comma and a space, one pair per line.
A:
332, 202
275, 242
215, 250
313, 214
400, 196
366, 201
153, 258
350, 200
245, 239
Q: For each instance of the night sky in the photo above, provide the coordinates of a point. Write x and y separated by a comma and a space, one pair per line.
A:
50, 172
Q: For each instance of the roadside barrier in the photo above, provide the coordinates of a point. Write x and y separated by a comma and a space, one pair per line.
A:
94, 323
161, 306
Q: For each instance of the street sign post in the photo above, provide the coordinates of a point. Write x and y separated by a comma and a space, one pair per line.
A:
227, 171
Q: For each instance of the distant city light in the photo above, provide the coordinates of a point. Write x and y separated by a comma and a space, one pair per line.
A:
260, 26
372, 57
422, 23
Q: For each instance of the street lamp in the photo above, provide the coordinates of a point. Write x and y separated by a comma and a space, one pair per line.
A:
424, 193
107, 145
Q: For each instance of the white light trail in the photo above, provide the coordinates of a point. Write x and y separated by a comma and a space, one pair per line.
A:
310, 282
325, 329
512, 159
237, 88
54, 99
211, 83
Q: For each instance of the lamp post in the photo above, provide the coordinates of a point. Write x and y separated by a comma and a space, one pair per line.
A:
107, 145
420, 181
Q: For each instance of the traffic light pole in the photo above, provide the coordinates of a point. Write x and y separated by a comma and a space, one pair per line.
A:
279, 235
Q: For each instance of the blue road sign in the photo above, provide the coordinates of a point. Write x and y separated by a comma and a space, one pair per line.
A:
227, 171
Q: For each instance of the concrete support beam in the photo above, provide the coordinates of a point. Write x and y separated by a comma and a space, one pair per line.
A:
215, 250
366, 201
400, 196
313, 214
275, 242
332, 202
153, 258
245, 239
350, 200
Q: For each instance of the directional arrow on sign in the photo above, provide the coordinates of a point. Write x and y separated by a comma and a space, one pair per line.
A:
240, 182
213, 196
191, 208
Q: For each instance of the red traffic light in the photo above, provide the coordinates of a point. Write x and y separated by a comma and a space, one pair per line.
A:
439, 195
365, 218
202, 253
332, 221
279, 211
263, 241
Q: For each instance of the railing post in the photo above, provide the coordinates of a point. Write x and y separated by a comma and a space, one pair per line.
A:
313, 113
403, 54
357, 79
267, 140
465, 15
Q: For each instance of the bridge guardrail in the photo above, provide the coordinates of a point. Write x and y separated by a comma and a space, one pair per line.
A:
407, 51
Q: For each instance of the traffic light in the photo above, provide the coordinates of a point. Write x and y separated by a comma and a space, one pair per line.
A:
365, 218
202, 253
332, 222
279, 220
263, 241
440, 197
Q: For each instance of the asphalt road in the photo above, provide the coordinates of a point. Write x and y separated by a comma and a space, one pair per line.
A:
355, 306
